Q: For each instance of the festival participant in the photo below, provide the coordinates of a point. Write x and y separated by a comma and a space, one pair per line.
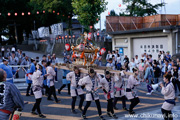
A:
54, 61
119, 91
29, 76
107, 84
44, 64
9, 71
132, 64
65, 72
131, 93
91, 83
13, 60
175, 78
37, 81
111, 64
149, 75
2, 51
10, 97
76, 90
141, 67
169, 96
50, 82
8, 54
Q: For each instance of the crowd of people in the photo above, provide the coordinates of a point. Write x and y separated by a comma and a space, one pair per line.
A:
41, 76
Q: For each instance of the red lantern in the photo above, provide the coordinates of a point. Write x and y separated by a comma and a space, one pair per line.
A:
9, 14
62, 37
22, 14
73, 36
102, 51
63, 15
119, 5
97, 19
29, 13
89, 36
66, 36
15, 14
59, 37
44, 11
91, 27
81, 47
67, 47
69, 37
98, 34
53, 11
108, 13
37, 12
57, 13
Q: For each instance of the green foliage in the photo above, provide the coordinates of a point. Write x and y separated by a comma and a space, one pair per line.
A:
88, 11
141, 7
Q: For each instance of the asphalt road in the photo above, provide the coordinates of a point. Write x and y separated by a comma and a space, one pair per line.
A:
62, 111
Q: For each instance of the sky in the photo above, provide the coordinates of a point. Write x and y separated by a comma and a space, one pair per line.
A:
171, 7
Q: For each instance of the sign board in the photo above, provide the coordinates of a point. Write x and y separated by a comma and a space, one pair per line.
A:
121, 51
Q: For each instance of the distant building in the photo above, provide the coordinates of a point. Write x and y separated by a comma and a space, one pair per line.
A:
77, 28
138, 35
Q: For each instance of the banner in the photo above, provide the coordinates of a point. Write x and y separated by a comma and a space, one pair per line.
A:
43, 32
57, 29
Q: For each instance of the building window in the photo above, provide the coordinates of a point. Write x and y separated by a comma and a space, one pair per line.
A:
152, 46
148, 46
144, 46
161, 46
141, 46
157, 46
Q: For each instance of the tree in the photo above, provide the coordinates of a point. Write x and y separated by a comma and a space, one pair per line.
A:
141, 7
88, 11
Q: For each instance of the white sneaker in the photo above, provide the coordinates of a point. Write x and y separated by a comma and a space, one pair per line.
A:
148, 93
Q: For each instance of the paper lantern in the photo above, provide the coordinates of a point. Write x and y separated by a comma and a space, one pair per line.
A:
57, 13
53, 11
102, 51
81, 47
44, 11
67, 47
15, 14
89, 36
108, 13
73, 36
22, 14
119, 5
29, 13
37, 12
9, 14
62, 37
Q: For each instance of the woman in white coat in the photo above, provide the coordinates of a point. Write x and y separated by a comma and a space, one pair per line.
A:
37, 81
92, 84
76, 90
131, 94
169, 96
107, 84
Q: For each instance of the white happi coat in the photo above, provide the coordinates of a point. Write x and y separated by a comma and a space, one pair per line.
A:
169, 93
119, 86
86, 81
37, 81
71, 77
132, 82
105, 85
